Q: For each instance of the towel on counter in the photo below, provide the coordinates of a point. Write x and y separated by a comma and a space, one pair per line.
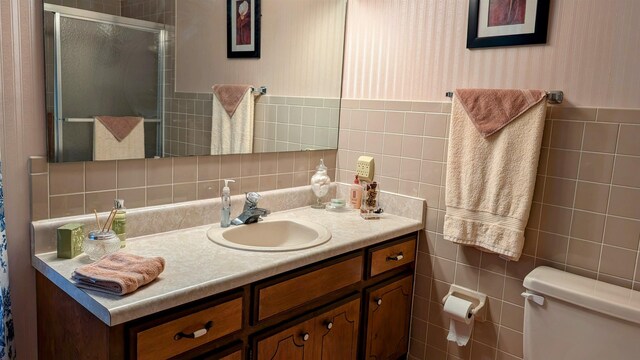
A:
118, 273
232, 120
490, 180
117, 138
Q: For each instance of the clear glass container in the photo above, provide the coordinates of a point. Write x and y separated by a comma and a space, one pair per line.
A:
99, 243
320, 183
370, 208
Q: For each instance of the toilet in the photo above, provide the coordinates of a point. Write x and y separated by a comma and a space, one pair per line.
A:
570, 317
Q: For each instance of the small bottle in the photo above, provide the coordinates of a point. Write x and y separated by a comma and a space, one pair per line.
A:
120, 221
225, 211
355, 194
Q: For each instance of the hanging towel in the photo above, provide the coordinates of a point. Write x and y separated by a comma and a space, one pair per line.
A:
490, 180
118, 273
117, 138
232, 120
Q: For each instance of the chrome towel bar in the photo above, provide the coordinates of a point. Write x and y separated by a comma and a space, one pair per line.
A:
553, 96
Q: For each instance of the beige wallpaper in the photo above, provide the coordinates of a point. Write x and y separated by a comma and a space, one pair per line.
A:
295, 34
416, 50
21, 135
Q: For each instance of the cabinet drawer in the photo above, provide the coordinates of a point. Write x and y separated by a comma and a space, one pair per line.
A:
392, 256
300, 289
166, 340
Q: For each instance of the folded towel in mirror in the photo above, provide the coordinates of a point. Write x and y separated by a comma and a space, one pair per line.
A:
230, 96
120, 126
118, 273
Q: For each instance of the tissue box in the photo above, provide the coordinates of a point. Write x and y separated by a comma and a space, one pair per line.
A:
70, 239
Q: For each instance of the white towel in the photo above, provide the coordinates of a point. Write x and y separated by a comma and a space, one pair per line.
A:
232, 135
490, 181
107, 147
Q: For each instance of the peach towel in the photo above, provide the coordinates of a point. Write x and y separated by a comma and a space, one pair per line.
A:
118, 273
119, 126
492, 109
230, 96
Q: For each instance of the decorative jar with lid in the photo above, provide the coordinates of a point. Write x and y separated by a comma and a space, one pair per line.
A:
320, 183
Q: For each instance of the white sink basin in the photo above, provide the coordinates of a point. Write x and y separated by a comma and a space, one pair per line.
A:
271, 235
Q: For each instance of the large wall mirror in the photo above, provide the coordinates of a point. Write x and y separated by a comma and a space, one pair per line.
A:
133, 78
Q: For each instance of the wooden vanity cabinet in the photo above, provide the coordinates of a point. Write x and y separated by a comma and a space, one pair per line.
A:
330, 335
352, 306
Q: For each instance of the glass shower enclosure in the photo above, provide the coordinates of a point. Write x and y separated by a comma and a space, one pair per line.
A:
100, 64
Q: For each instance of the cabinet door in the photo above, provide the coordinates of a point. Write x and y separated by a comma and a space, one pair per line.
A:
389, 308
336, 332
292, 343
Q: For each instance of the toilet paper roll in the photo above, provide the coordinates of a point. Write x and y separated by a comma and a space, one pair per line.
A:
461, 319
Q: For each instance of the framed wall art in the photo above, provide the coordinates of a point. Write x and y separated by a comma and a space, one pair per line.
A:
507, 23
243, 28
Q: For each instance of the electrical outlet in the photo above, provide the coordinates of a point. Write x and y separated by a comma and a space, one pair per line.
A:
365, 168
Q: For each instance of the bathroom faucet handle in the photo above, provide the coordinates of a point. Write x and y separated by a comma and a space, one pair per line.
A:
253, 197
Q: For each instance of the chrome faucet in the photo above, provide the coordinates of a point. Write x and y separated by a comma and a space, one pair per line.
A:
251, 213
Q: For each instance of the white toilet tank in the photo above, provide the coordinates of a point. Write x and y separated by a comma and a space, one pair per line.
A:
581, 318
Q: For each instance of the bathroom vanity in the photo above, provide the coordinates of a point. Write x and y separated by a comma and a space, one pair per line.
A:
345, 299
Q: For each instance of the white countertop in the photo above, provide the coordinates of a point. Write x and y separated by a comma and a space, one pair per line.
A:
196, 267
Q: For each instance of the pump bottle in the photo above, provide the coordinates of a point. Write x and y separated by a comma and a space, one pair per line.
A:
120, 221
225, 211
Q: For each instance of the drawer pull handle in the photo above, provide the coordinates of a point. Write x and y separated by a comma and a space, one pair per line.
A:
398, 257
196, 334
305, 336
379, 301
328, 324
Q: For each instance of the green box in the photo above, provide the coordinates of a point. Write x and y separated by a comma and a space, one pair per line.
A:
70, 239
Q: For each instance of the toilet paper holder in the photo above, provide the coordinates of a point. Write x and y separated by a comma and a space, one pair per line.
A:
478, 300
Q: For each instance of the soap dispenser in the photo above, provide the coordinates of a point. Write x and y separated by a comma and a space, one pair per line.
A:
225, 211
120, 221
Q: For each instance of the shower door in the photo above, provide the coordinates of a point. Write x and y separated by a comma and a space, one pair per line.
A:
103, 65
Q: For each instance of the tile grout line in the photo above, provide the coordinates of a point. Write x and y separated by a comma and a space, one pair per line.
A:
573, 204
544, 185
604, 231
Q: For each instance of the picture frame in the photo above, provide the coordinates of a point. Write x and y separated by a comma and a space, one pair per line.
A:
493, 23
243, 28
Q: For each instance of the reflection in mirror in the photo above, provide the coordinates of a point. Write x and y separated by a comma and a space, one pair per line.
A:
158, 61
